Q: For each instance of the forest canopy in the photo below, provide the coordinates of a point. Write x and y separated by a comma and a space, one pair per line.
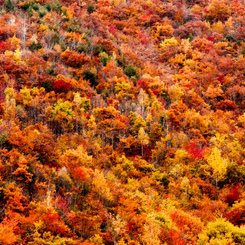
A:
122, 122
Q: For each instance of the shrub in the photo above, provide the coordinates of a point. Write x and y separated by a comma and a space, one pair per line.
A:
91, 77
120, 62
130, 71
42, 11
104, 58
81, 48
3, 140
99, 49
8, 5
55, 6
35, 46
48, 7
90, 8
74, 26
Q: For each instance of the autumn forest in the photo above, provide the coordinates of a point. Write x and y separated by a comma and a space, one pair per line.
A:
122, 122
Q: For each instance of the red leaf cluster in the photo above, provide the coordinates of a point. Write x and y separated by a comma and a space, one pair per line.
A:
61, 86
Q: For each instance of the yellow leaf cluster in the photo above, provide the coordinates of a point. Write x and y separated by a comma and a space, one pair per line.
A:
175, 93
26, 96
101, 186
43, 28
169, 42
77, 157
15, 56
14, 40
217, 163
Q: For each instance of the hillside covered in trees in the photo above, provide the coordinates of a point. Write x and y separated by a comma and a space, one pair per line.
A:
122, 122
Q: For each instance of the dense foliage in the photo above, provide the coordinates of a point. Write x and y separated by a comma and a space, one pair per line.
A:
122, 122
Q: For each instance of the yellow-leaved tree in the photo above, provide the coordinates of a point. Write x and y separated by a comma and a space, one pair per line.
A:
10, 103
143, 138
151, 231
218, 164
